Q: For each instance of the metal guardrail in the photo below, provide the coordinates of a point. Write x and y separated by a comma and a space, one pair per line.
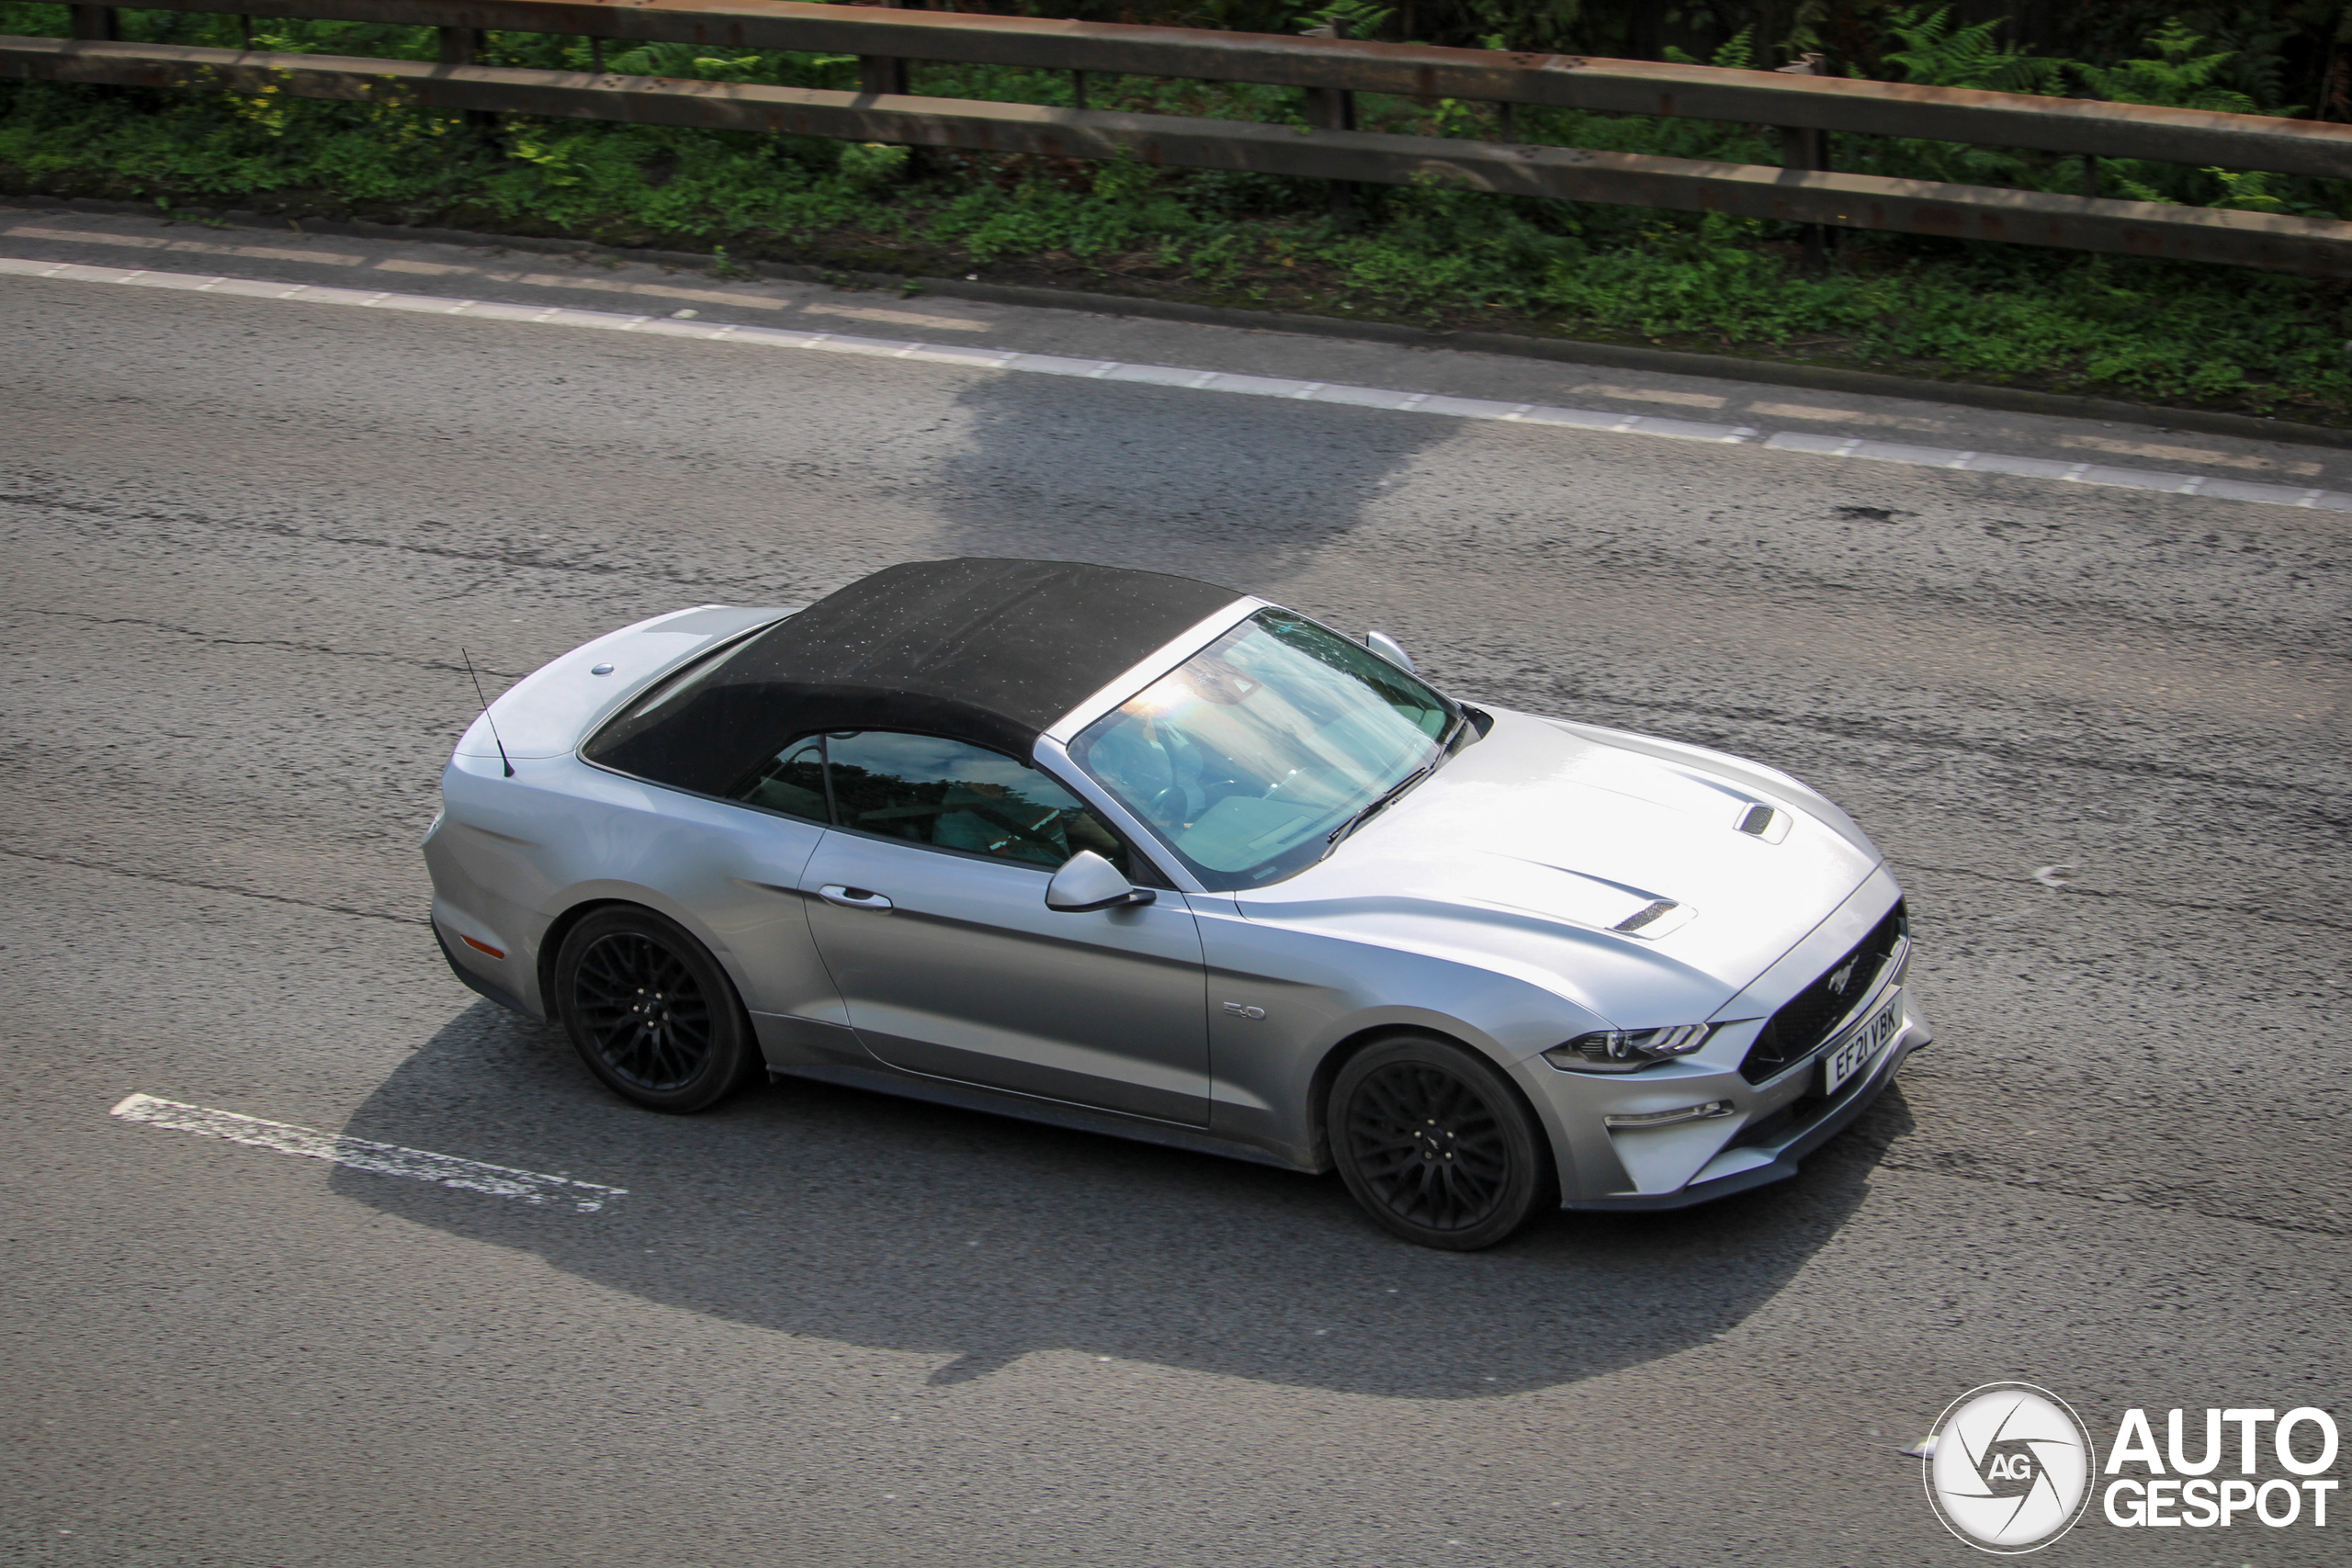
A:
886, 37
1405, 69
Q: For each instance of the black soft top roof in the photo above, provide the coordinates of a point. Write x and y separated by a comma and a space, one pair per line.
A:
982, 651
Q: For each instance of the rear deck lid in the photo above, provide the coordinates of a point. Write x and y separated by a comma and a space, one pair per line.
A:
549, 711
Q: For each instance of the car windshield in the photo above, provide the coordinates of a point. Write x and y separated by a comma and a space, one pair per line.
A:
1248, 756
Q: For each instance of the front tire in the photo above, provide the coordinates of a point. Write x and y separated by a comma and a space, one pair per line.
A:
1435, 1144
651, 1011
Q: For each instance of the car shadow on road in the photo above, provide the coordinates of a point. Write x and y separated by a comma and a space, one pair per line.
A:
869, 1219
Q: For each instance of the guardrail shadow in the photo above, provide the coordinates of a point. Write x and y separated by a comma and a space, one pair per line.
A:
884, 1223
1243, 491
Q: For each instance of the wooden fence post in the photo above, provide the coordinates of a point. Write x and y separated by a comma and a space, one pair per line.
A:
1334, 108
883, 73
1808, 149
463, 46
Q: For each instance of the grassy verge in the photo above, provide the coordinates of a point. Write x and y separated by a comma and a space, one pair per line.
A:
1430, 256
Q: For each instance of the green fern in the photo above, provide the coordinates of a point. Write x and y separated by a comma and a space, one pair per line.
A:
1354, 18
683, 60
2179, 78
2248, 191
1937, 54
1737, 53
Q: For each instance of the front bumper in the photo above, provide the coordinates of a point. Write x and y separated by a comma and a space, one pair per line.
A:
1771, 1127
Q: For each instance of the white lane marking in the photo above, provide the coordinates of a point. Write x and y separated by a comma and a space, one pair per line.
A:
131, 241
1855, 448
359, 1154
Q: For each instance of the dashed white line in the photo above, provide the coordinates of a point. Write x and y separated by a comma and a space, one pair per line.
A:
1850, 447
383, 1159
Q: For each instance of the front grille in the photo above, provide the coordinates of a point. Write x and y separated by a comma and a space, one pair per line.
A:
1807, 1019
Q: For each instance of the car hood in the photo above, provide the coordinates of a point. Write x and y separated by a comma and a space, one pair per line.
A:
1530, 847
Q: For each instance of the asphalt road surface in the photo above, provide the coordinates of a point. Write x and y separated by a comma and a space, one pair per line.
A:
2101, 732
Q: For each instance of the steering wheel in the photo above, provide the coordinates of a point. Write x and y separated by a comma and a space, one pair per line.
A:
1031, 833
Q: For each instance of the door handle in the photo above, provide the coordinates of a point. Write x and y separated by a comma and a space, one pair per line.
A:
853, 897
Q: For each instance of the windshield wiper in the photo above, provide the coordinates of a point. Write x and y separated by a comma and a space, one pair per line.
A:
1444, 754
1377, 806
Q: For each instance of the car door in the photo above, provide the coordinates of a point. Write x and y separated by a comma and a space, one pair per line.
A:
928, 903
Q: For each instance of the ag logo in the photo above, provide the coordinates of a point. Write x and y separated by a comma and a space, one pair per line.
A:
2008, 1468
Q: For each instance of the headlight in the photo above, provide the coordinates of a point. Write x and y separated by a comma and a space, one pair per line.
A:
1628, 1051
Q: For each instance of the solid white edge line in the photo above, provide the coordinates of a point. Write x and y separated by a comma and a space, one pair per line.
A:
1629, 424
361, 1153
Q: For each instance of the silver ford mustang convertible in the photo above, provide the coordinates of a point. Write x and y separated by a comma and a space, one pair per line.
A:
1127, 852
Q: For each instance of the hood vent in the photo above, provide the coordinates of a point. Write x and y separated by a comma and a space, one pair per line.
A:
1769, 823
1756, 819
1654, 920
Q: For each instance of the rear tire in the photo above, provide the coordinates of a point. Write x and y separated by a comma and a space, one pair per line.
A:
651, 1011
1437, 1145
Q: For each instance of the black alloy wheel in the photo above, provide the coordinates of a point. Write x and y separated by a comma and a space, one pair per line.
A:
1436, 1144
651, 1011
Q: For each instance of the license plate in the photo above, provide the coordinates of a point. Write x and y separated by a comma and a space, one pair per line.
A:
1865, 1043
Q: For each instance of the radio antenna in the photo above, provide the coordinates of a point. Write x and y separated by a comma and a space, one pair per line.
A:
485, 712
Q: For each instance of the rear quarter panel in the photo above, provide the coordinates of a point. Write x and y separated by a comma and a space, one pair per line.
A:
518, 854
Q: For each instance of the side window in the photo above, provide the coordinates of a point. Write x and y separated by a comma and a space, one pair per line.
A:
943, 792
794, 782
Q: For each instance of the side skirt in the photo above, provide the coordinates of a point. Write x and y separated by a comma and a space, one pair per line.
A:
1052, 1113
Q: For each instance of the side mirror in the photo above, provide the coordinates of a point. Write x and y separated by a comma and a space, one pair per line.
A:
1087, 881
1387, 647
